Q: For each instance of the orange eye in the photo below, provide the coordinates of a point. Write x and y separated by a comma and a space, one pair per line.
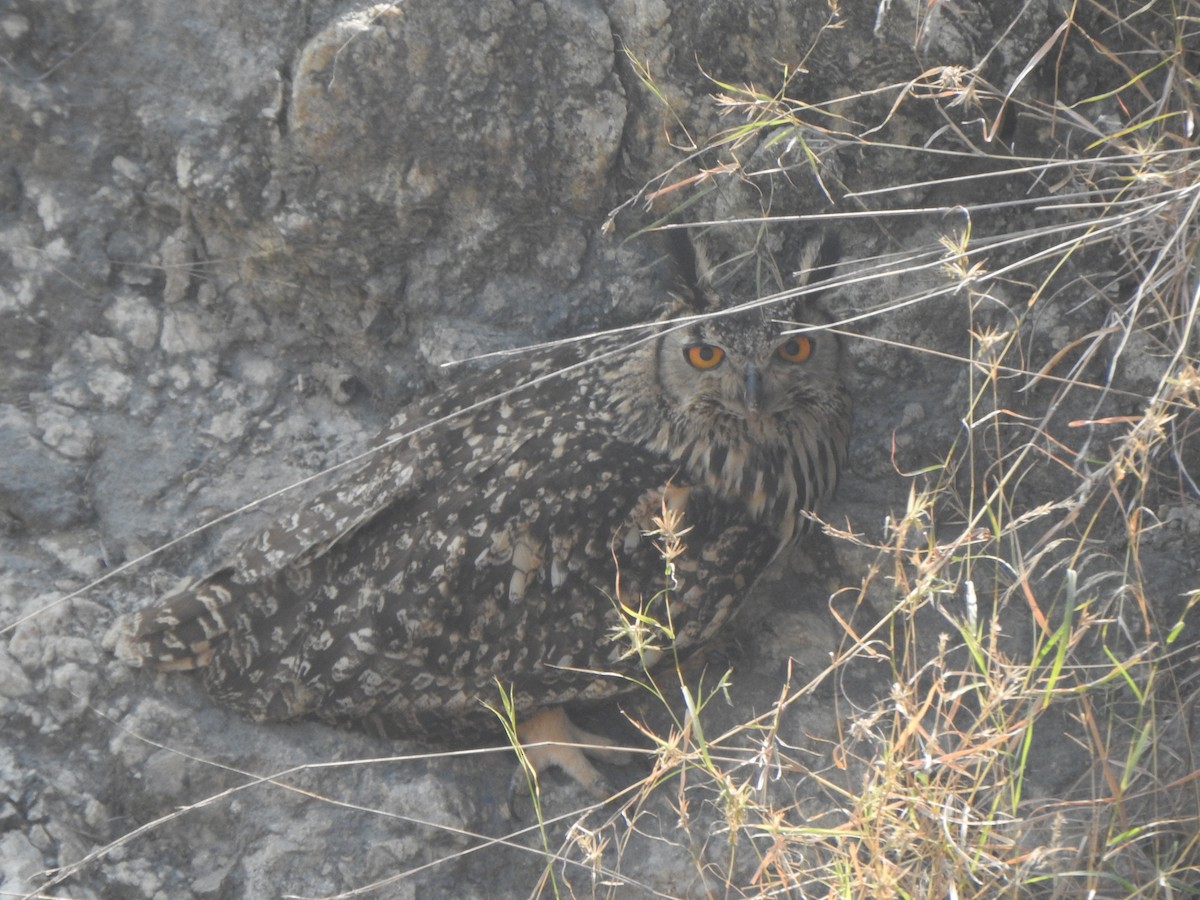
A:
704, 356
796, 349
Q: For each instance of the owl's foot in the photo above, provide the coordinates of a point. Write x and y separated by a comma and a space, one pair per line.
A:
551, 740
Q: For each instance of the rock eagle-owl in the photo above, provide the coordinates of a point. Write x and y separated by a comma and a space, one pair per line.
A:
490, 543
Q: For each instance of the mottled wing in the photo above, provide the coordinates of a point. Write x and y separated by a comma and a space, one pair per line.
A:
504, 547
508, 574
409, 458
178, 631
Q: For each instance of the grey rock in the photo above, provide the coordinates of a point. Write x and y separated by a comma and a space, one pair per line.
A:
235, 238
20, 861
39, 488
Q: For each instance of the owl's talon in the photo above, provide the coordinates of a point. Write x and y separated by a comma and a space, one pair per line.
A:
519, 788
603, 790
551, 740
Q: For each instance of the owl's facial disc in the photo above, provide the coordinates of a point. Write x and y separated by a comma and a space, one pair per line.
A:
747, 383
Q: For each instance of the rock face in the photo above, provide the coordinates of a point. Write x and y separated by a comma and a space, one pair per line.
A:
235, 237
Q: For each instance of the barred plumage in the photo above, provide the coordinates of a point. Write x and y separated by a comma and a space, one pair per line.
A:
484, 547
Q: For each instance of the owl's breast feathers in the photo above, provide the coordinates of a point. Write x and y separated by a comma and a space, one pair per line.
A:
488, 548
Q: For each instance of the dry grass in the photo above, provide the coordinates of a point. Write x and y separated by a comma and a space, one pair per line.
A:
1023, 615
1014, 598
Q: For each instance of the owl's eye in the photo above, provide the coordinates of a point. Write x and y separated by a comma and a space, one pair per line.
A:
796, 349
704, 356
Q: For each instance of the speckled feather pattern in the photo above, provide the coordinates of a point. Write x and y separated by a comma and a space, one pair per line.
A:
485, 548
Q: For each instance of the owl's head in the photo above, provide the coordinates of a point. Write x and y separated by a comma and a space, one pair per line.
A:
755, 396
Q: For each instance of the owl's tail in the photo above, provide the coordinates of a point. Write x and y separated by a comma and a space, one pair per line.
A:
180, 631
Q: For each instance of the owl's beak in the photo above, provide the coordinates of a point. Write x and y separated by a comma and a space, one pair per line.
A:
753, 388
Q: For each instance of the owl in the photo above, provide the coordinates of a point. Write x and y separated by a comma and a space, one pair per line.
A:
504, 530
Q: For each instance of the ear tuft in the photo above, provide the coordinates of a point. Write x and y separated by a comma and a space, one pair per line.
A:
821, 258
686, 264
